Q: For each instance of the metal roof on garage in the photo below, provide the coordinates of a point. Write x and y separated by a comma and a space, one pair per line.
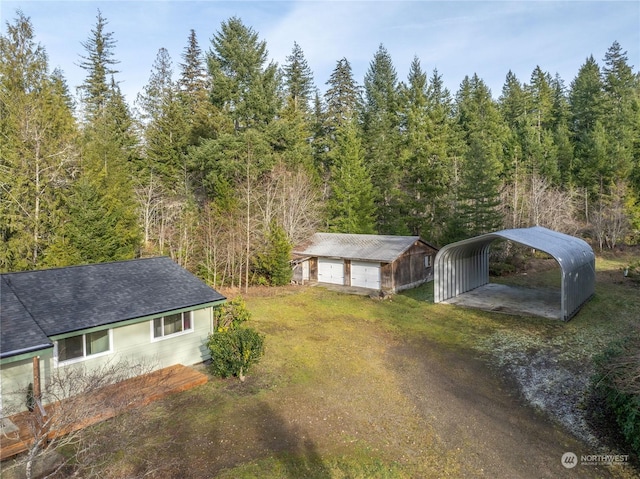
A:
382, 248
463, 266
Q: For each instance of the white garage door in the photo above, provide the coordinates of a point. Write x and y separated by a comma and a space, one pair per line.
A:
330, 271
365, 275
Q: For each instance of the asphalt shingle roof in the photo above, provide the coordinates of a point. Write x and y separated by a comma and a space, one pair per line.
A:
64, 300
19, 333
382, 248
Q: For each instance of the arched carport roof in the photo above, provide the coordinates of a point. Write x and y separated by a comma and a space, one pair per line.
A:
463, 266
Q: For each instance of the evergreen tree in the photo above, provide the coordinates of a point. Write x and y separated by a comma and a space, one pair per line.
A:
590, 171
37, 154
541, 152
513, 108
92, 232
342, 97
273, 265
193, 76
298, 80
621, 114
482, 130
204, 120
562, 137
350, 207
99, 64
319, 136
341, 104
165, 128
445, 148
291, 132
381, 139
108, 149
242, 86
426, 126
479, 190
414, 123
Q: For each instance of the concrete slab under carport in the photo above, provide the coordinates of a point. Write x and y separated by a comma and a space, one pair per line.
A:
516, 300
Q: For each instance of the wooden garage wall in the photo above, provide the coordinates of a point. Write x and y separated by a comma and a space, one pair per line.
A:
313, 269
409, 269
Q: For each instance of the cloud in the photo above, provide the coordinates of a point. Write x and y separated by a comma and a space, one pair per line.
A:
329, 31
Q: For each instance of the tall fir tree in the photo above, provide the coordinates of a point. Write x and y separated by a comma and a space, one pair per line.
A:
562, 136
108, 149
204, 120
342, 97
445, 149
99, 63
512, 105
193, 76
426, 125
37, 151
350, 206
342, 101
482, 130
590, 166
244, 86
621, 114
541, 148
381, 139
298, 81
414, 123
291, 132
165, 127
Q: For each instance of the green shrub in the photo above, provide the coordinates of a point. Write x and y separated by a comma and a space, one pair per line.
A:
618, 382
231, 314
234, 351
272, 265
501, 269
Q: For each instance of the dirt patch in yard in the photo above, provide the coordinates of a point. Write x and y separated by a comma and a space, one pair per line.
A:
431, 411
345, 391
482, 416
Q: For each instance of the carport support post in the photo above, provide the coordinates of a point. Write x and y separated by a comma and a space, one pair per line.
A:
37, 394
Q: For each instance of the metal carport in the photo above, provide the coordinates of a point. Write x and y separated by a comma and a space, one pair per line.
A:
463, 266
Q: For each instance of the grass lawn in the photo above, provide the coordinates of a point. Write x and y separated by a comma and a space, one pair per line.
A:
331, 397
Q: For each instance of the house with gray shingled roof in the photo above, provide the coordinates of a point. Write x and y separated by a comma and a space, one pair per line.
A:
384, 263
147, 310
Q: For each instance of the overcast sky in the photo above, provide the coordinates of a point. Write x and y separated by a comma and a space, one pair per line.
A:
457, 37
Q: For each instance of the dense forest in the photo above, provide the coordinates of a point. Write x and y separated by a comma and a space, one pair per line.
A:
226, 159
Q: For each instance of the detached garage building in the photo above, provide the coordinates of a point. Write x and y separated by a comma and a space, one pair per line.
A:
375, 262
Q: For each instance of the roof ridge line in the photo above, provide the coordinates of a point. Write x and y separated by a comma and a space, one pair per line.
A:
71, 266
7, 281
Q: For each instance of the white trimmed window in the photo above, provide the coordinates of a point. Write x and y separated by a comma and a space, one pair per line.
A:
428, 261
172, 325
83, 346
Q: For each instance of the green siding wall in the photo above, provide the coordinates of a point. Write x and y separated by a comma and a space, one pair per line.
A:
132, 343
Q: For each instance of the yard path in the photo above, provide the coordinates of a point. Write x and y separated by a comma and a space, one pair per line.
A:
478, 415
339, 393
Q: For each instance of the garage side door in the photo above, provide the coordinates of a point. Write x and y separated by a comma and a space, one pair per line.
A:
365, 275
330, 271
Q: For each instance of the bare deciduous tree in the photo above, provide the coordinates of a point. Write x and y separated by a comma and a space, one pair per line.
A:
291, 199
150, 199
610, 221
539, 203
73, 397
